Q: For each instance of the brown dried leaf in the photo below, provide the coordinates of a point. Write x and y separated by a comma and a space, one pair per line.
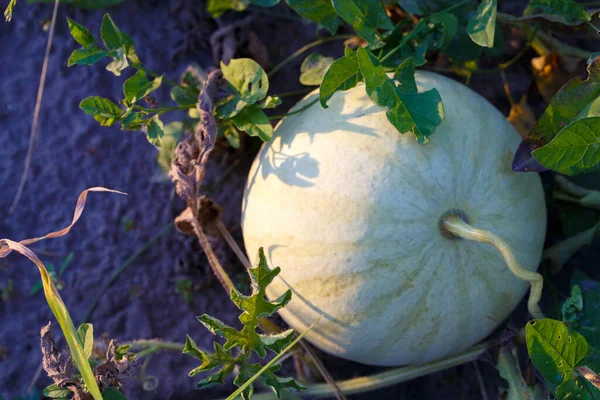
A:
522, 117
55, 362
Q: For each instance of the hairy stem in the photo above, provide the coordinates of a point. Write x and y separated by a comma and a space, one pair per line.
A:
455, 225
211, 256
303, 49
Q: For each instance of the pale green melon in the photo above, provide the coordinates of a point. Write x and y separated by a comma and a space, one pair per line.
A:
349, 208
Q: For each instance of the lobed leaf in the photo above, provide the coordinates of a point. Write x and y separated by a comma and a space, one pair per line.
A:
343, 74
366, 17
482, 26
554, 349
319, 11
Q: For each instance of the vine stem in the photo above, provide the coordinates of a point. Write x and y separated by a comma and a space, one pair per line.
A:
388, 378
309, 105
457, 226
211, 256
421, 22
303, 49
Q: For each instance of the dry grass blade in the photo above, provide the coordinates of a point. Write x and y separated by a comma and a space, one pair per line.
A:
53, 297
76, 215
36, 112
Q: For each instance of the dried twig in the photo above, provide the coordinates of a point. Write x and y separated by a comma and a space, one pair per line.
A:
36, 112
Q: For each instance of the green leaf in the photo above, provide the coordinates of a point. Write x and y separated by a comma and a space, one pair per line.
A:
313, 69
129, 49
482, 26
172, 132
9, 10
254, 307
554, 349
103, 110
449, 27
56, 392
264, 3
588, 323
184, 97
568, 104
319, 11
110, 34
419, 113
508, 366
247, 78
81, 34
268, 378
365, 16
138, 86
113, 394
573, 389
155, 131
270, 102
254, 122
86, 56
227, 129
343, 74
405, 76
572, 306
220, 358
86, 335
425, 7
568, 9
575, 150
216, 8
249, 83
134, 121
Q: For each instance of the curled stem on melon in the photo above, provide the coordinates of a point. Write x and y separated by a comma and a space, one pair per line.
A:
458, 227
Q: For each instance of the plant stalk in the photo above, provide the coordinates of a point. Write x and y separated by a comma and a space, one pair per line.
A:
303, 49
388, 378
457, 226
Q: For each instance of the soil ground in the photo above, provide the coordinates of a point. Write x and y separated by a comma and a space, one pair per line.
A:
72, 153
